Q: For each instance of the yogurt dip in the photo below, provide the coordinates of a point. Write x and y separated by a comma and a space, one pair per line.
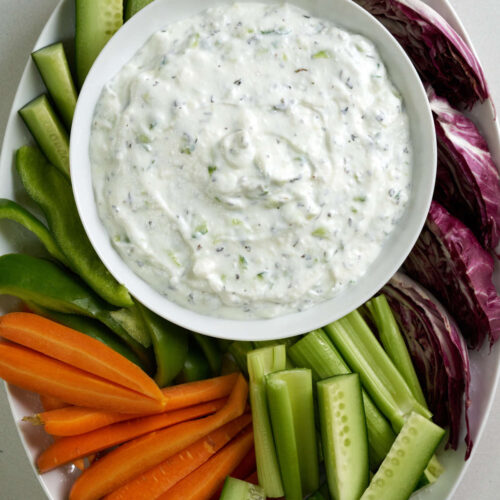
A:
251, 161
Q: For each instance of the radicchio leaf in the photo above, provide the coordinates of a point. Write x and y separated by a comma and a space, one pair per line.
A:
467, 182
438, 52
438, 352
449, 260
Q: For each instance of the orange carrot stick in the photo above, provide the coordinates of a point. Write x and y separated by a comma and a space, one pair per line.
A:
152, 483
75, 420
80, 463
49, 403
123, 464
76, 349
193, 393
36, 372
78, 420
67, 449
204, 481
246, 467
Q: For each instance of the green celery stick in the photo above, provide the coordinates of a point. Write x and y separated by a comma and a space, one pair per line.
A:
262, 362
380, 378
290, 399
394, 344
315, 351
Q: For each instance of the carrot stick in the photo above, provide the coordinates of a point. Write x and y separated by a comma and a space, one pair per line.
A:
36, 372
74, 420
152, 483
67, 449
49, 403
76, 349
123, 464
246, 467
192, 393
80, 463
204, 481
79, 420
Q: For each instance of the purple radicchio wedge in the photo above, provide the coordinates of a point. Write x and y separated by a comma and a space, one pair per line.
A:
438, 352
438, 52
449, 260
467, 182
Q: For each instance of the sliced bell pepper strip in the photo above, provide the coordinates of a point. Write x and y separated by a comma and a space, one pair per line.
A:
51, 190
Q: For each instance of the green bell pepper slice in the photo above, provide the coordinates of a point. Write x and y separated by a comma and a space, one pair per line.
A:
170, 344
51, 286
51, 190
12, 211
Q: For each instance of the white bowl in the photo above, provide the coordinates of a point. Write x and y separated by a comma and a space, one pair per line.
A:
343, 12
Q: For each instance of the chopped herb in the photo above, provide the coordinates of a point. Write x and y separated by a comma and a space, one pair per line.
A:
260, 276
243, 262
322, 54
361, 199
200, 229
320, 232
236, 222
173, 258
188, 144
301, 69
211, 169
144, 139
195, 39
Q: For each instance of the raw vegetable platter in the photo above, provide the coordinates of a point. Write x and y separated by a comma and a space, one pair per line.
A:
484, 364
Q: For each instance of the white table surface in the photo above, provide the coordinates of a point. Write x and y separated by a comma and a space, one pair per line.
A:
20, 24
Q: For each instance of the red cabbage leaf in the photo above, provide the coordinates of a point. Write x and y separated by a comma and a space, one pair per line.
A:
438, 52
449, 260
438, 352
467, 182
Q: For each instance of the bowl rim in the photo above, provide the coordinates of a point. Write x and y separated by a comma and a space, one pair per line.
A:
125, 43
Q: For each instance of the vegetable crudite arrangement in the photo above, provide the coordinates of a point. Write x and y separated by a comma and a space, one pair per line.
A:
358, 409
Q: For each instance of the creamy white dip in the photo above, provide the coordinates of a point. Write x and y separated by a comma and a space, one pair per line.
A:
251, 161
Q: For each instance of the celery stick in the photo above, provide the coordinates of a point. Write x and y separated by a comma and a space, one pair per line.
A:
394, 344
261, 362
399, 473
380, 378
315, 351
239, 351
290, 399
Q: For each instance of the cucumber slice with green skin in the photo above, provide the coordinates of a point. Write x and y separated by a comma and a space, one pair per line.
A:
14, 212
394, 344
315, 351
380, 378
134, 6
290, 400
96, 22
260, 363
235, 489
53, 66
344, 437
400, 471
48, 131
